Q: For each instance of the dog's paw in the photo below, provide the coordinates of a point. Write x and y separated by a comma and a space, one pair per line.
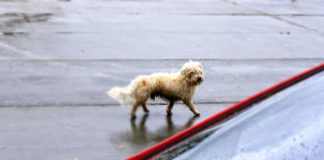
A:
197, 114
169, 113
146, 111
133, 117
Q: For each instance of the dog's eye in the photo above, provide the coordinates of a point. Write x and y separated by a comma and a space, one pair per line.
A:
190, 74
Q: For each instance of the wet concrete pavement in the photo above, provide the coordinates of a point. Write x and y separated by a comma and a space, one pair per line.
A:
88, 132
57, 59
79, 83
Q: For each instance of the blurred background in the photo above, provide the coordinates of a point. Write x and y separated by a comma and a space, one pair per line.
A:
58, 58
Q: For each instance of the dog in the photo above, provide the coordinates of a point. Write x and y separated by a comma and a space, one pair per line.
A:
171, 87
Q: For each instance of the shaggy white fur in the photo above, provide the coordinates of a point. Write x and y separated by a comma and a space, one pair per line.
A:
169, 86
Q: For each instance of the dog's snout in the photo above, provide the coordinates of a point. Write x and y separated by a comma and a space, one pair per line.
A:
200, 79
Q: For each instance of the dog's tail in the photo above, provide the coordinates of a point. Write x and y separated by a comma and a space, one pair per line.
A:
123, 95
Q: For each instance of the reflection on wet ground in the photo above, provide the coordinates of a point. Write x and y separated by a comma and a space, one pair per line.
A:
149, 129
142, 135
88, 132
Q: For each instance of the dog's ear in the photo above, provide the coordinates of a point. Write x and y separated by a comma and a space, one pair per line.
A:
188, 76
185, 71
200, 65
196, 63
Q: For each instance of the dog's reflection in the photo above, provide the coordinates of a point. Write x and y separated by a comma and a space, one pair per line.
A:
141, 135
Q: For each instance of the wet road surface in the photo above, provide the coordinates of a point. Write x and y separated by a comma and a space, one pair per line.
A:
88, 132
58, 57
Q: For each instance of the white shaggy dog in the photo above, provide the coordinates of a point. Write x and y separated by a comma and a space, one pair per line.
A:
169, 86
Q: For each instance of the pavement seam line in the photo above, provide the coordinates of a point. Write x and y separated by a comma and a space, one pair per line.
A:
166, 59
103, 104
19, 51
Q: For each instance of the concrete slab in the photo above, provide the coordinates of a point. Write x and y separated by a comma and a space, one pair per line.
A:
315, 23
50, 83
88, 133
58, 57
71, 30
284, 7
73, 9
279, 44
159, 24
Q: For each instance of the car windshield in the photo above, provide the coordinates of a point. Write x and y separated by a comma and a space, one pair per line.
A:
288, 125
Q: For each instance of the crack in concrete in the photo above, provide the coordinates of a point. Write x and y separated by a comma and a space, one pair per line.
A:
278, 17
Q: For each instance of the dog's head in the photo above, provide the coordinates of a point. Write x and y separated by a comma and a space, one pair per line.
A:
192, 72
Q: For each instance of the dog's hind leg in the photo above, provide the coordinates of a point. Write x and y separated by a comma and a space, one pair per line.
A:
145, 108
191, 107
133, 112
169, 108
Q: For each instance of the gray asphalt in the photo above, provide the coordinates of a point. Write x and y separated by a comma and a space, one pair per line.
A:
89, 132
58, 57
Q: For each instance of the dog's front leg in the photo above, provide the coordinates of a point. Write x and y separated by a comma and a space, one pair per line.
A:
169, 108
191, 107
145, 108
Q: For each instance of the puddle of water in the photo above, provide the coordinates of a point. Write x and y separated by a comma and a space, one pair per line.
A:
142, 135
12, 19
14, 33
